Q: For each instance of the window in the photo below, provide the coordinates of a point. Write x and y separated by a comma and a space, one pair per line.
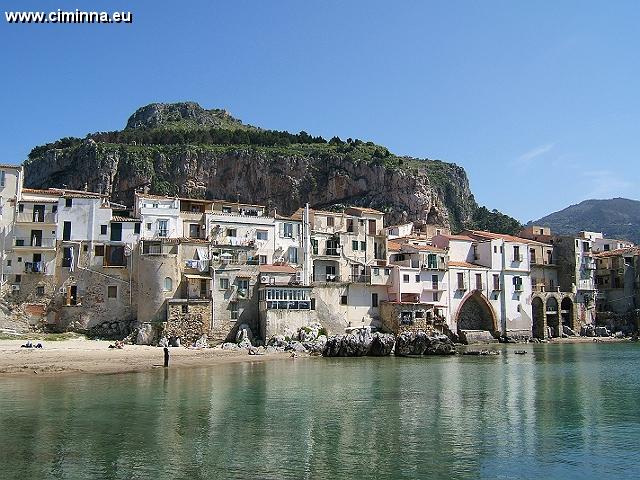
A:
586, 247
163, 228
223, 283
194, 230
40, 291
66, 231
54, 208
314, 246
234, 310
376, 270
517, 284
418, 278
516, 254
68, 202
232, 232
419, 314
606, 247
432, 260
168, 284
262, 235
243, 284
103, 229
293, 255
363, 246
98, 250
148, 225
8, 262
374, 300
112, 291
2, 178
405, 278
343, 300
460, 281
262, 259
387, 271
434, 282
20, 208
435, 296
350, 225
287, 230
19, 259
330, 221
496, 281
478, 281
18, 278
114, 256
226, 209
354, 245
495, 249
136, 227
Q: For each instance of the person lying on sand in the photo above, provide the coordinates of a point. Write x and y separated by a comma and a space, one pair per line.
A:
27, 345
119, 344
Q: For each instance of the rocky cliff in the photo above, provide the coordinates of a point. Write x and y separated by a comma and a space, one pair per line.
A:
184, 150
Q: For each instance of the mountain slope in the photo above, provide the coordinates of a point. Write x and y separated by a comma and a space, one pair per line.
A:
616, 218
183, 149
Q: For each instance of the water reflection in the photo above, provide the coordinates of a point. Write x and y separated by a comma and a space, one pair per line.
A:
560, 410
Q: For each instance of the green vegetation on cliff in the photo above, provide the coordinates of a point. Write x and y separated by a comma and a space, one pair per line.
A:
182, 149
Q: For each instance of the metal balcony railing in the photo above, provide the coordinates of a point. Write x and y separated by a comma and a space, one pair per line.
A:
31, 217
46, 242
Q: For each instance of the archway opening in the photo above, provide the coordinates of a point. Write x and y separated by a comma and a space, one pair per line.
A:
476, 314
553, 317
566, 312
537, 307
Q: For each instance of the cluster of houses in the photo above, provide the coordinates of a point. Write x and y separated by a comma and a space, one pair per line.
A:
76, 260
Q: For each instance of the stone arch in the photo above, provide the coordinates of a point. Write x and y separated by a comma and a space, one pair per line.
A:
539, 323
476, 313
566, 312
552, 308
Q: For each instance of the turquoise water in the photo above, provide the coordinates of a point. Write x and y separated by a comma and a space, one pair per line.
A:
561, 411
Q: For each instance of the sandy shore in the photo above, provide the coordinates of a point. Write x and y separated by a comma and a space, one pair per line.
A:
93, 356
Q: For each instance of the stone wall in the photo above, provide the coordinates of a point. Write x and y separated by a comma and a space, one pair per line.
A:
188, 320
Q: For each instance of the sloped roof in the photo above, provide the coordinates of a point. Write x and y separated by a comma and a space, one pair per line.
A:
118, 218
495, 236
277, 269
466, 265
618, 252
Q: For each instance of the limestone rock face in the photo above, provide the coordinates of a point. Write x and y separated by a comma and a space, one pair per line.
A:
359, 344
419, 343
280, 178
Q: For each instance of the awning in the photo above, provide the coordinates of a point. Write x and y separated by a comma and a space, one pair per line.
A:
192, 276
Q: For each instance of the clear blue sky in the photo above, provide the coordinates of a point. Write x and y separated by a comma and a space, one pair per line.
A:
538, 101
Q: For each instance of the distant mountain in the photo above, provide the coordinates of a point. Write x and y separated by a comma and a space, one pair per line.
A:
616, 218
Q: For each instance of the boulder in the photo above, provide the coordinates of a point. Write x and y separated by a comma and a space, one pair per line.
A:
587, 331
317, 345
419, 343
146, 334
602, 332
567, 331
174, 341
277, 341
381, 345
296, 347
202, 342
310, 332
230, 346
244, 331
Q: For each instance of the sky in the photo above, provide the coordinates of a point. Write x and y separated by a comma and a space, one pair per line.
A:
538, 101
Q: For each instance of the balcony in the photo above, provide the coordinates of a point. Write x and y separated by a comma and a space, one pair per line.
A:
360, 278
36, 217
434, 266
34, 242
35, 267
234, 242
517, 258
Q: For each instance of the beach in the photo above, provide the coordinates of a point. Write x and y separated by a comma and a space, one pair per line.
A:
80, 355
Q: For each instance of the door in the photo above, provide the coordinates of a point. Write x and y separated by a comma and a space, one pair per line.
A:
66, 231
203, 288
116, 232
38, 213
36, 238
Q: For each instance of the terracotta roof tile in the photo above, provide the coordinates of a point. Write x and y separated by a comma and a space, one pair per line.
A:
618, 252
465, 265
277, 269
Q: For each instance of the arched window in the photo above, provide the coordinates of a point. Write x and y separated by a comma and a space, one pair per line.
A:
168, 284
